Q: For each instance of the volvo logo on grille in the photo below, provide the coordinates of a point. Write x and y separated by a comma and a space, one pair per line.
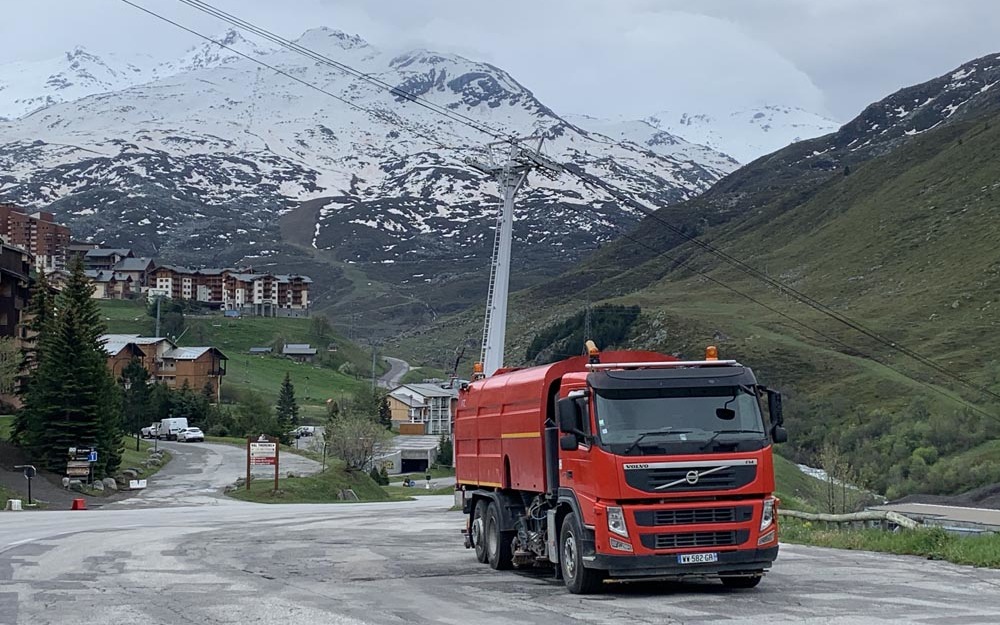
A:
692, 477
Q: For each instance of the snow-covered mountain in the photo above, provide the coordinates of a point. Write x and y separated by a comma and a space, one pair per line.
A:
746, 134
217, 159
643, 133
28, 86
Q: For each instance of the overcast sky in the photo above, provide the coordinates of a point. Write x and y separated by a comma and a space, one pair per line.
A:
607, 58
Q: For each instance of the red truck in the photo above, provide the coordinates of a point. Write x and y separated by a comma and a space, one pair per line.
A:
622, 465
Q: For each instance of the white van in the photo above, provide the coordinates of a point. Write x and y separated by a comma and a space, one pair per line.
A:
170, 427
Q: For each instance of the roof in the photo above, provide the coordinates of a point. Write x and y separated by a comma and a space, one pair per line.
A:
415, 441
284, 277
106, 252
429, 390
189, 353
261, 350
134, 264
113, 348
413, 401
298, 349
132, 338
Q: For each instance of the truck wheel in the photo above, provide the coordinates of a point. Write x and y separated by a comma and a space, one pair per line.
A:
578, 579
498, 547
741, 582
479, 530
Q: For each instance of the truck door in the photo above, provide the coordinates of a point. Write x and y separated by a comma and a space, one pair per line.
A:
576, 466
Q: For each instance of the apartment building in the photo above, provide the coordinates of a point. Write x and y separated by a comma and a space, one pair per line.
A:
431, 405
104, 258
37, 233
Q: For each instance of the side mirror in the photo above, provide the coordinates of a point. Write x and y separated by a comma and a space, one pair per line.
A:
779, 434
569, 442
726, 414
569, 415
774, 407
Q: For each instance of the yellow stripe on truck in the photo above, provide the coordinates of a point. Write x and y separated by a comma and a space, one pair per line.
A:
521, 435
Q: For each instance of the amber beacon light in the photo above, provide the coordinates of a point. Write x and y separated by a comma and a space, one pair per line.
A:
711, 353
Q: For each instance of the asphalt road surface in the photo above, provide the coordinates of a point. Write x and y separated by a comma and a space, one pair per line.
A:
402, 563
199, 472
397, 369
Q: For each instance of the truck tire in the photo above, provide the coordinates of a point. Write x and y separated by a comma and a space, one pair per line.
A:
579, 580
498, 543
742, 582
478, 530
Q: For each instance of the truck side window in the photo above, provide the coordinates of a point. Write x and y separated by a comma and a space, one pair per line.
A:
584, 404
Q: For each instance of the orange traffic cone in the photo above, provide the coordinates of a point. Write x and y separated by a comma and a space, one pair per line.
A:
79, 504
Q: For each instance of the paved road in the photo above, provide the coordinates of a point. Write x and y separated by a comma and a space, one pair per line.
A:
948, 516
397, 369
200, 471
401, 563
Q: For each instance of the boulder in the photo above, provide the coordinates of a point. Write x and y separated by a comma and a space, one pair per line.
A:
292, 474
136, 469
130, 474
110, 483
76, 485
98, 486
65, 482
152, 462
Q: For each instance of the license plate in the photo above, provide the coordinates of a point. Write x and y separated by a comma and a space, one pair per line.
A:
697, 558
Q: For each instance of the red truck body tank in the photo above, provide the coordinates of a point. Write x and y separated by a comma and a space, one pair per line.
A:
499, 422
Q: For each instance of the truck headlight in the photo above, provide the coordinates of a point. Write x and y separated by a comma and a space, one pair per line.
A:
766, 519
616, 521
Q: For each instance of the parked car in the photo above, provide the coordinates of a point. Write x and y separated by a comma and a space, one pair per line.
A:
304, 430
189, 435
150, 431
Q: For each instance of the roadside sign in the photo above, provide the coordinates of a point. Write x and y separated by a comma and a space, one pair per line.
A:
263, 454
136, 484
92, 456
78, 468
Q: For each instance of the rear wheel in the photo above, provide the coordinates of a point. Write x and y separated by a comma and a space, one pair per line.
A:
578, 579
478, 530
742, 582
498, 547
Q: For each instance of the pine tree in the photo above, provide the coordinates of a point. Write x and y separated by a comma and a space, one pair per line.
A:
287, 409
444, 451
72, 399
137, 397
39, 314
385, 413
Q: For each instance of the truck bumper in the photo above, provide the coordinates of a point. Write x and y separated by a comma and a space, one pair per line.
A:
730, 563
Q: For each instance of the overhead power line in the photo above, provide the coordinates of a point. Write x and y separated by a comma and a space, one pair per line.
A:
801, 324
783, 288
587, 179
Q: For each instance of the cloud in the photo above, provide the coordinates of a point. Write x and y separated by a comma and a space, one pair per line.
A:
601, 57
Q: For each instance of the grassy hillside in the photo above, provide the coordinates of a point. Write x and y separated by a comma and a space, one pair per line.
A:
336, 373
901, 235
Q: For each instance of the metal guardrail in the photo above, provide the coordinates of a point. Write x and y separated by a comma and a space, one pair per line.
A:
883, 518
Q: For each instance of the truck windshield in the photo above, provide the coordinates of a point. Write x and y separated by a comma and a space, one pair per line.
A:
663, 416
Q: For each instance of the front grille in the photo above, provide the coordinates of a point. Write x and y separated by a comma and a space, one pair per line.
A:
693, 516
677, 478
689, 540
